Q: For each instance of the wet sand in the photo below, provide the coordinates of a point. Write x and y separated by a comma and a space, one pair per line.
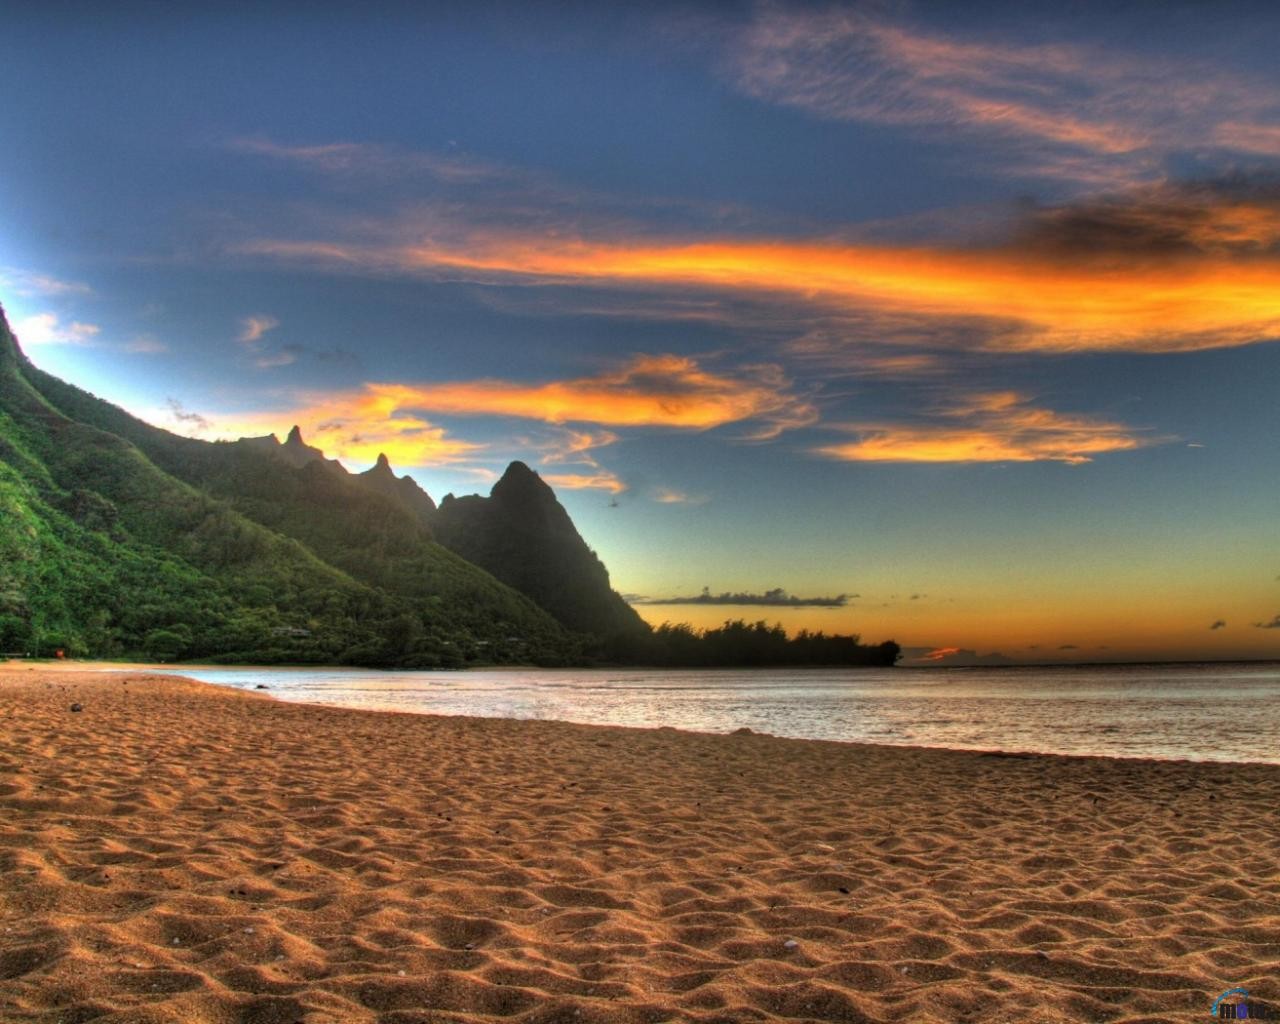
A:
177, 851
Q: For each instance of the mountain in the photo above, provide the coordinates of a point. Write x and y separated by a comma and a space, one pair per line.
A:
524, 537
403, 489
115, 533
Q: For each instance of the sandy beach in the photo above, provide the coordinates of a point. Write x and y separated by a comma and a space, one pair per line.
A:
175, 851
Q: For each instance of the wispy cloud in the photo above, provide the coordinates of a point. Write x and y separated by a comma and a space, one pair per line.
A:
601, 480
647, 391
366, 160
254, 328
145, 345
1215, 283
1083, 112
990, 427
49, 329
1218, 624
775, 598
1273, 624
576, 447
32, 283
191, 420
670, 496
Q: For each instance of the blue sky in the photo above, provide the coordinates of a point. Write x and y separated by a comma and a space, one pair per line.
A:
970, 318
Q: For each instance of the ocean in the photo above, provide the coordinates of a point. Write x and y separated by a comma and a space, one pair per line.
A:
1210, 712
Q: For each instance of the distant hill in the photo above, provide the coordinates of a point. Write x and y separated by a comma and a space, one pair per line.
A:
524, 537
259, 552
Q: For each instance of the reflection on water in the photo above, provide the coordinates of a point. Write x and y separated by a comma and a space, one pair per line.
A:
1207, 712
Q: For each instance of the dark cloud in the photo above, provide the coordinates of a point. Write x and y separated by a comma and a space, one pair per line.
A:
1219, 624
1161, 222
776, 598
1068, 647
1273, 624
953, 657
182, 415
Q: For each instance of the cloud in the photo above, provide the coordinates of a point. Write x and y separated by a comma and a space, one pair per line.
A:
31, 283
252, 328
1068, 647
284, 356
1218, 624
1085, 113
48, 329
602, 480
191, 420
146, 345
1000, 426
1273, 624
568, 446
776, 598
646, 391
365, 160
670, 496
1217, 285
955, 657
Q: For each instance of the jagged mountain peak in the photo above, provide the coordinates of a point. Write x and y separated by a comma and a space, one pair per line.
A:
521, 484
295, 436
383, 462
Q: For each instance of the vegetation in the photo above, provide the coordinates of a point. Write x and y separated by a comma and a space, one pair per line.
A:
107, 554
739, 644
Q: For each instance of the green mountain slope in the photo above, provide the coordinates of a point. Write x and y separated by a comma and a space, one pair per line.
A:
259, 558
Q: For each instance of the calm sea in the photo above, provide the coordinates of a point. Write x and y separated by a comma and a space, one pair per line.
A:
1217, 712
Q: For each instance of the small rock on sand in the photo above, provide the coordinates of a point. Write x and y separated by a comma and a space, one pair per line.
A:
77, 707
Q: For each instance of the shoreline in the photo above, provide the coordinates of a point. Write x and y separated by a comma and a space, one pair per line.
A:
181, 851
15, 667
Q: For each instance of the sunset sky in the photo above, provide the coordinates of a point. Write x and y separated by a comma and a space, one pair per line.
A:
965, 314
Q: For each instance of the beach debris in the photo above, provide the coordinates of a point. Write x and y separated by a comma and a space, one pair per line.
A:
77, 706
791, 944
262, 686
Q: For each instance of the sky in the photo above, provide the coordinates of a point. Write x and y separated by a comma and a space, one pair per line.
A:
959, 328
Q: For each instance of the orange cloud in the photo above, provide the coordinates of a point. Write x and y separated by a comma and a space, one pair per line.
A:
648, 391
1033, 300
601, 481
992, 427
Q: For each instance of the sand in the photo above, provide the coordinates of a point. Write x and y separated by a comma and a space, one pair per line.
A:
180, 852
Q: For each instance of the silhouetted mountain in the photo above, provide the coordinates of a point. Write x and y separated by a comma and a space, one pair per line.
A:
403, 489
523, 535
297, 452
